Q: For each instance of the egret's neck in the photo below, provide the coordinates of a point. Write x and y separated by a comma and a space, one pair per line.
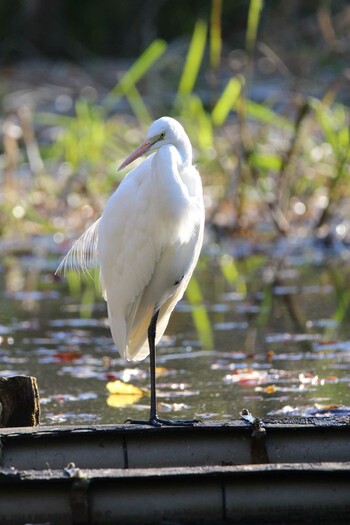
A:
185, 150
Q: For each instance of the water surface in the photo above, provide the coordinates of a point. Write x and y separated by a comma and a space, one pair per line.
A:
270, 333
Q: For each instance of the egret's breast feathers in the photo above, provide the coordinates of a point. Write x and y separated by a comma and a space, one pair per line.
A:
128, 250
178, 193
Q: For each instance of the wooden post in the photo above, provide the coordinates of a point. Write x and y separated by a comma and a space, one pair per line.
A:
19, 402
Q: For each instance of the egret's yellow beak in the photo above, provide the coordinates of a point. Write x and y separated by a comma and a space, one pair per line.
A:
142, 150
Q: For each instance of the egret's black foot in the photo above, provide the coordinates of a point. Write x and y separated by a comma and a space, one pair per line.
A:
152, 422
156, 421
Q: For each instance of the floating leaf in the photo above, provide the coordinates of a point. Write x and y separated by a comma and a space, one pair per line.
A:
67, 356
308, 378
120, 388
161, 371
123, 400
271, 389
246, 377
330, 379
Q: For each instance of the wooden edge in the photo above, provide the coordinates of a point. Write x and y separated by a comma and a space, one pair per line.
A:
293, 423
71, 473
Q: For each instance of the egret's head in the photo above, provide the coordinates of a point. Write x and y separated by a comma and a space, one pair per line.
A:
165, 130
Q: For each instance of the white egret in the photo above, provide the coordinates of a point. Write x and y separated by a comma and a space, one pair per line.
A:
147, 243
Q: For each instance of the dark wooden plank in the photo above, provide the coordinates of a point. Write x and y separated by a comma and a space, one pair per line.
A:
288, 493
207, 444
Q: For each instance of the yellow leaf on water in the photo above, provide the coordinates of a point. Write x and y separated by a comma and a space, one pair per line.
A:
271, 389
161, 371
270, 354
120, 388
123, 400
319, 406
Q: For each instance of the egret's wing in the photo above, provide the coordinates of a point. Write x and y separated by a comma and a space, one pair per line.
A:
83, 254
169, 305
137, 346
128, 250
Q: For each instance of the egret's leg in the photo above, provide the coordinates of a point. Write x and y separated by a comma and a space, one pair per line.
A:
152, 364
154, 420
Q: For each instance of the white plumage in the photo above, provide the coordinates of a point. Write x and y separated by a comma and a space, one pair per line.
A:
148, 239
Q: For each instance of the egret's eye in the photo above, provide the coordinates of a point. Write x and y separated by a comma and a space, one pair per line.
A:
162, 136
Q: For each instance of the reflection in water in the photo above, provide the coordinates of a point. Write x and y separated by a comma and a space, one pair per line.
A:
268, 333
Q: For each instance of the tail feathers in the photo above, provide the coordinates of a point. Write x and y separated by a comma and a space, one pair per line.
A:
118, 329
140, 354
137, 347
83, 255
132, 343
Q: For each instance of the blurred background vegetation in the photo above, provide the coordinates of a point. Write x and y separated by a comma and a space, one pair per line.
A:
262, 89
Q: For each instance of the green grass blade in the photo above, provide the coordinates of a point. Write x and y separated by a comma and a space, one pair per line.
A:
333, 121
194, 59
138, 69
199, 314
230, 271
255, 8
227, 100
324, 119
87, 301
344, 137
215, 34
199, 117
74, 282
266, 115
53, 119
265, 306
138, 106
265, 161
